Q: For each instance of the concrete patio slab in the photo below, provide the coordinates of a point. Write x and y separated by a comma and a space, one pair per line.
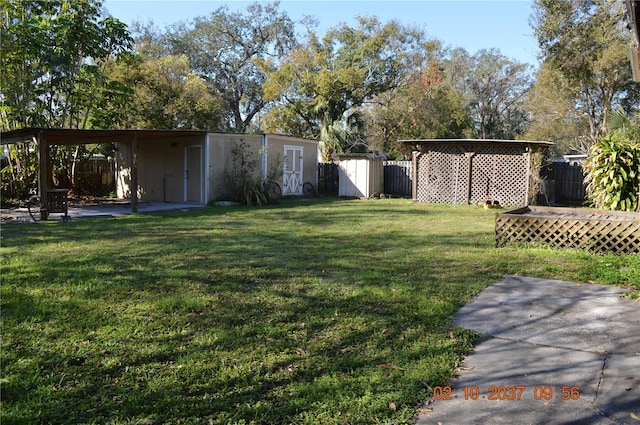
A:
112, 209
555, 353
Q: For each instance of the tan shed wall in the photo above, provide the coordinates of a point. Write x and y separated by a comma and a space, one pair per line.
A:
275, 153
162, 164
161, 169
220, 158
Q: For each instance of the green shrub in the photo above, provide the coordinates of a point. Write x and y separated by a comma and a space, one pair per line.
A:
242, 181
613, 173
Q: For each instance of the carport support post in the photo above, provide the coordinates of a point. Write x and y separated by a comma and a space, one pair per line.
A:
134, 174
43, 176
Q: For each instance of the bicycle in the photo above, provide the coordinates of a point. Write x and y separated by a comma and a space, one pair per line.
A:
33, 206
308, 189
274, 191
57, 204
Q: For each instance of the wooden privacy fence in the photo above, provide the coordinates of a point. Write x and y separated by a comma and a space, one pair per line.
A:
328, 179
587, 229
397, 178
563, 184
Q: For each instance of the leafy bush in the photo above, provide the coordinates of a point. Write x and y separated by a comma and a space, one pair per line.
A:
242, 181
613, 172
19, 172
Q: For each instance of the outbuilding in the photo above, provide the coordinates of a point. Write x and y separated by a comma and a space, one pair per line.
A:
360, 175
191, 168
176, 165
472, 171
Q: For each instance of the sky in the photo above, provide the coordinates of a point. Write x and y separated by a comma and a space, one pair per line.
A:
471, 24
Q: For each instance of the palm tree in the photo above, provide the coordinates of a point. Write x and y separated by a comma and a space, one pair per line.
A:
628, 127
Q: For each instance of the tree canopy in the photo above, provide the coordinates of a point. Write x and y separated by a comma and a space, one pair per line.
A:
425, 106
323, 85
53, 60
169, 95
494, 88
224, 49
586, 43
55, 57
357, 87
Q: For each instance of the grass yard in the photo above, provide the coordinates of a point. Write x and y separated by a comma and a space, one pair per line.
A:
321, 312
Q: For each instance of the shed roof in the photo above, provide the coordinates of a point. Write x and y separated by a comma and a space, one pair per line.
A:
543, 144
369, 155
71, 136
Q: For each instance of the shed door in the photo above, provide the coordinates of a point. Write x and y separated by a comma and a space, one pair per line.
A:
193, 173
292, 176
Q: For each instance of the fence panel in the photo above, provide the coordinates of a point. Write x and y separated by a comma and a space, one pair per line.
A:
328, 179
397, 178
565, 184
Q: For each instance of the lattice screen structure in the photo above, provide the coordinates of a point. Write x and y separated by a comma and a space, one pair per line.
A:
502, 175
438, 176
591, 230
471, 171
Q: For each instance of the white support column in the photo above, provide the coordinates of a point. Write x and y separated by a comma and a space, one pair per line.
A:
134, 174
264, 157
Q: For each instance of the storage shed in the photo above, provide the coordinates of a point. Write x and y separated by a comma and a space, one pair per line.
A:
192, 169
175, 165
360, 175
470, 171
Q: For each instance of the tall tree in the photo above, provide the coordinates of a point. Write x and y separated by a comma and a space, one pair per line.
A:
424, 106
585, 41
54, 56
553, 114
322, 84
168, 95
224, 48
494, 88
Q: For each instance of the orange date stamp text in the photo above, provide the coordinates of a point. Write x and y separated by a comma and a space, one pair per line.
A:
509, 392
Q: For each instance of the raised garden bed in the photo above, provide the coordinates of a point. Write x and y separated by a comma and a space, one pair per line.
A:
580, 228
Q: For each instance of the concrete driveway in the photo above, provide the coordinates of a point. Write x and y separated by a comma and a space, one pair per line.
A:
555, 353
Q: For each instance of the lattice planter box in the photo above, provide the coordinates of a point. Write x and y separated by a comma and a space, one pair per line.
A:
580, 228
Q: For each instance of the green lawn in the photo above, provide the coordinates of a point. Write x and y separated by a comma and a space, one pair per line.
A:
317, 312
